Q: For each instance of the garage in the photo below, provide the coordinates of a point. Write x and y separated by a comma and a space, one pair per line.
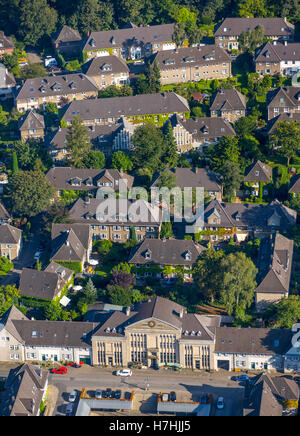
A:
223, 364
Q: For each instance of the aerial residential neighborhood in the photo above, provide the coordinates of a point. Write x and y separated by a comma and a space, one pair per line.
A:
149, 209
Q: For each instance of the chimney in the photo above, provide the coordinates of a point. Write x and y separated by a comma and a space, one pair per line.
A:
274, 42
285, 43
127, 310
196, 170
181, 313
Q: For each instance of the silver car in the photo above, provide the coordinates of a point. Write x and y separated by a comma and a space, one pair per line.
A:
72, 396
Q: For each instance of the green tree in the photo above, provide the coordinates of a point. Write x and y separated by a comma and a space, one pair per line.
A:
232, 177
121, 161
170, 155
179, 35
153, 77
5, 266
166, 231
9, 296
148, 141
90, 292
88, 16
103, 247
207, 274
286, 312
238, 281
119, 295
252, 8
94, 159
32, 71
29, 193
285, 139
166, 179
15, 165
52, 311
251, 39
78, 142
227, 149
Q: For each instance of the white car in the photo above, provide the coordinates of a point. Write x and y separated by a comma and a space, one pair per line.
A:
220, 403
124, 372
72, 396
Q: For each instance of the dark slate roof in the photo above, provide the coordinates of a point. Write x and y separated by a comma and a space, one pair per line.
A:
105, 65
295, 184
7, 42
276, 256
12, 314
252, 340
156, 309
9, 234
24, 389
228, 99
250, 215
265, 394
190, 57
66, 34
92, 210
258, 172
82, 232
285, 96
206, 128
289, 117
56, 85
4, 215
272, 26
100, 136
55, 333
31, 120
44, 284
193, 177
67, 248
117, 107
167, 252
278, 51
62, 177
127, 36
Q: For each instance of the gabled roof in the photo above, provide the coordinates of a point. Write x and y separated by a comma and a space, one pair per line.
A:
59, 232
66, 34
190, 57
24, 390
96, 66
276, 255
61, 177
4, 215
295, 184
228, 99
6, 42
278, 51
193, 177
166, 252
12, 314
125, 37
68, 248
9, 234
258, 172
118, 107
31, 120
288, 117
272, 26
285, 96
206, 128
56, 85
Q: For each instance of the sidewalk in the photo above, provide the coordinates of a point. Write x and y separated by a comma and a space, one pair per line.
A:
51, 400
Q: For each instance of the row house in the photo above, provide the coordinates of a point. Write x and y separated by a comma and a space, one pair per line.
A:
10, 241
36, 93
228, 31
87, 179
228, 104
191, 64
112, 219
278, 58
199, 133
226, 220
275, 267
289, 117
156, 108
163, 259
7, 82
257, 175
31, 125
107, 71
130, 43
155, 333
283, 100
194, 178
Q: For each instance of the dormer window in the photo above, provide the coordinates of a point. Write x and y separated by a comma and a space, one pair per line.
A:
169, 61
106, 67
257, 173
148, 254
112, 40
188, 255
93, 42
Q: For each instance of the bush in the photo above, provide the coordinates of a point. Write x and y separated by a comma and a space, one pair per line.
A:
74, 266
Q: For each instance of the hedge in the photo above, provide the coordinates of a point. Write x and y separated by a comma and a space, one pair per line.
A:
74, 266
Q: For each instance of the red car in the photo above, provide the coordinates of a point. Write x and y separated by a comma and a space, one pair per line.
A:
60, 370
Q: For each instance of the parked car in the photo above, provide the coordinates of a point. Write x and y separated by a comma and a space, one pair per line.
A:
108, 393
220, 403
242, 377
124, 372
117, 394
172, 396
204, 399
37, 255
98, 393
72, 396
60, 370
69, 409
